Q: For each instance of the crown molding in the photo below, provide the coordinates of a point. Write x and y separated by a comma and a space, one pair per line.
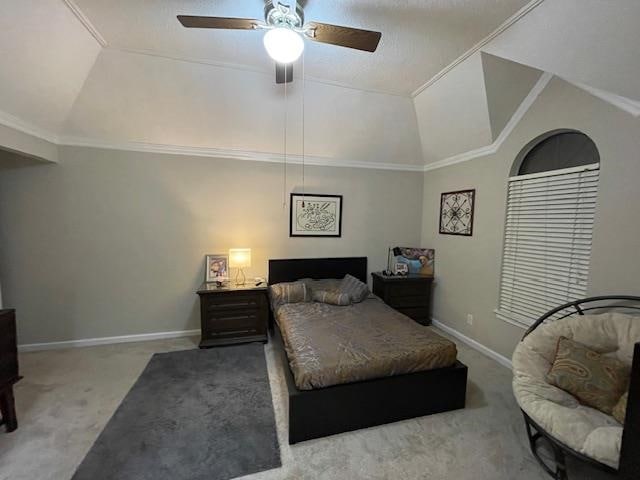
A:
29, 128
224, 153
20, 125
515, 119
625, 104
504, 26
246, 155
86, 23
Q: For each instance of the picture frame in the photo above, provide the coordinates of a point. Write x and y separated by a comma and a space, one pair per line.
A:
315, 215
216, 268
457, 212
416, 260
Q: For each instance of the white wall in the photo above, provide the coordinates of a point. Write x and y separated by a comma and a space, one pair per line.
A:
507, 84
109, 243
468, 268
453, 114
46, 54
142, 98
587, 41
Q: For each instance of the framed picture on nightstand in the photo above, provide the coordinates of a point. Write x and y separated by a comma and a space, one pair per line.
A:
216, 268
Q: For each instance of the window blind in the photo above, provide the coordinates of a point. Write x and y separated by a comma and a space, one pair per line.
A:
547, 245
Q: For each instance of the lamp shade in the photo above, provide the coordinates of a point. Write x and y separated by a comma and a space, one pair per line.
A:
239, 257
283, 45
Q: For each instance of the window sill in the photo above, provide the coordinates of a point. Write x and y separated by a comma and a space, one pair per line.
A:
512, 319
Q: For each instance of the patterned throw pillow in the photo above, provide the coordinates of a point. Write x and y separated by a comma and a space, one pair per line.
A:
332, 297
357, 290
620, 410
594, 379
292, 292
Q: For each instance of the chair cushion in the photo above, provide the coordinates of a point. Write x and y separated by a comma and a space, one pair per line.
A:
585, 429
620, 410
594, 379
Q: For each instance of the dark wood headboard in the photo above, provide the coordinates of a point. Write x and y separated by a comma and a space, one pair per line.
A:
290, 270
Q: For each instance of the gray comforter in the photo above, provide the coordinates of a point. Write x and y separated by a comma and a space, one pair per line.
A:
329, 345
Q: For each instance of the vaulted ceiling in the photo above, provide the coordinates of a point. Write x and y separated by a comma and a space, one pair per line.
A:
446, 78
419, 37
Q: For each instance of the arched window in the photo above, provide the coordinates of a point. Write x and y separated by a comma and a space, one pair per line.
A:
550, 212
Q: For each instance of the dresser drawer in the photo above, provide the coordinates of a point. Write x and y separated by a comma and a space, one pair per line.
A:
409, 301
234, 317
230, 315
407, 289
213, 303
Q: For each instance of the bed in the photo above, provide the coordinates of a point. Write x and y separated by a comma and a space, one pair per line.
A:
332, 400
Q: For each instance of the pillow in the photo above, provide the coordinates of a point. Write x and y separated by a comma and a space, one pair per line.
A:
291, 292
357, 290
620, 410
594, 379
331, 297
328, 284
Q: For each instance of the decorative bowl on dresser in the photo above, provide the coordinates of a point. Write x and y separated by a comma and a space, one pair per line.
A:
409, 294
233, 314
8, 368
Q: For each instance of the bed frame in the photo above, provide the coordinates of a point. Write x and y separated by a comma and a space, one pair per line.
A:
351, 406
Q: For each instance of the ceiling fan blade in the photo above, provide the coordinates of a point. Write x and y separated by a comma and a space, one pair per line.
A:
192, 21
284, 73
366, 40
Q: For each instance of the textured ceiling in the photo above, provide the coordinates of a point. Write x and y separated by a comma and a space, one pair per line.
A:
420, 37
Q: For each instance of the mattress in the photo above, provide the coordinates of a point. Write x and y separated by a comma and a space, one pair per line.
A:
330, 345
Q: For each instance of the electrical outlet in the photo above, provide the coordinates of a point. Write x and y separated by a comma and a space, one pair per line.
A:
469, 319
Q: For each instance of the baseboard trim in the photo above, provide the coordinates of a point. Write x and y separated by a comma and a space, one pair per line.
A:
91, 342
501, 359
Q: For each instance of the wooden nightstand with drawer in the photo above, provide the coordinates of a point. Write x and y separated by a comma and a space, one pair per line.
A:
409, 294
233, 314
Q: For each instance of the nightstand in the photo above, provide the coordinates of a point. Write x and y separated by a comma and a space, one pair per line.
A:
233, 314
409, 294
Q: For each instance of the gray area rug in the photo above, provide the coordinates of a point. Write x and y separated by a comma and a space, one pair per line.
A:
195, 414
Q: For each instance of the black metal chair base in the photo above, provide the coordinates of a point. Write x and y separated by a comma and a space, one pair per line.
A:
535, 433
559, 456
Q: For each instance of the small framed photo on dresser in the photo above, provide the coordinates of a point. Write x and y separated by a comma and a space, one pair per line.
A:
216, 268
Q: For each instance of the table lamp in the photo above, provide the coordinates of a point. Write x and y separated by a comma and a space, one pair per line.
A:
240, 258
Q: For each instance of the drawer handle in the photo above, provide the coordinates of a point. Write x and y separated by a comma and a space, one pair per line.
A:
239, 317
239, 304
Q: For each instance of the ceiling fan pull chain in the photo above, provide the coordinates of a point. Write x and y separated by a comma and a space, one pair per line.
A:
303, 116
284, 185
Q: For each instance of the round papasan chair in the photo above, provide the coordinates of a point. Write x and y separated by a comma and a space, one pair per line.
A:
609, 325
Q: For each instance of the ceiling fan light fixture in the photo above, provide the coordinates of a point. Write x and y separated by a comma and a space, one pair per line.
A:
283, 44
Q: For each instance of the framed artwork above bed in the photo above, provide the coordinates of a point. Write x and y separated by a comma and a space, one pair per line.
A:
315, 215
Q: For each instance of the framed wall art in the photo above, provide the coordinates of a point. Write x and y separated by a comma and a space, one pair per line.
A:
418, 260
314, 215
216, 268
456, 212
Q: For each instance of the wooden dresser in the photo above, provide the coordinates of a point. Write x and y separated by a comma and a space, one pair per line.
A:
8, 368
409, 294
233, 314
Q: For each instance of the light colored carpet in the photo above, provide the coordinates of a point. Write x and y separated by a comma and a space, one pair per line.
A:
67, 397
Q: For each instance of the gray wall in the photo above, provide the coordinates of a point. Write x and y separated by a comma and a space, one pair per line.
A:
109, 243
468, 268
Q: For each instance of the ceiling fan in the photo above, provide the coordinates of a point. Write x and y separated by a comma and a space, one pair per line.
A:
284, 23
